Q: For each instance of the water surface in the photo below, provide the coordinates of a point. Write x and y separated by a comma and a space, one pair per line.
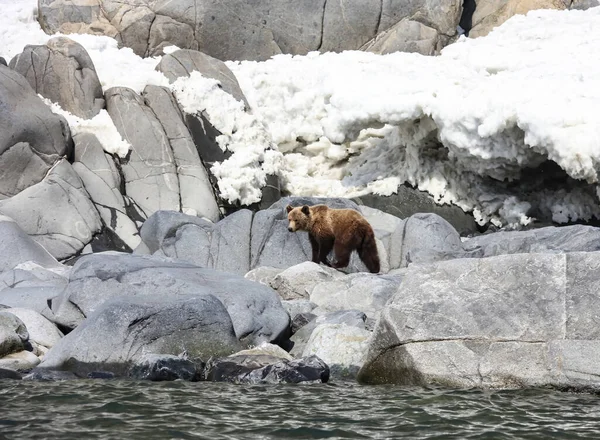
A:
121, 409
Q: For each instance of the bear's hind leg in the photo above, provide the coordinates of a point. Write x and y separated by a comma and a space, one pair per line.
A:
325, 248
342, 254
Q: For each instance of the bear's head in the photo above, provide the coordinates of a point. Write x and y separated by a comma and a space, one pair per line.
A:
298, 217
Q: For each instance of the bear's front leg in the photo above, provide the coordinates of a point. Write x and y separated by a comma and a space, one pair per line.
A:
314, 244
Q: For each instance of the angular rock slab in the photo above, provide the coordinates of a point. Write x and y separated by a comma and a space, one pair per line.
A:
13, 334
102, 181
18, 248
195, 189
149, 170
223, 246
255, 309
32, 138
508, 321
62, 71
123, 330
41, 330
56, 212
183, 62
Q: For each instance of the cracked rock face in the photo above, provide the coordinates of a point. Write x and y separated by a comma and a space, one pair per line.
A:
28, 148
63, 72
57, 212
491, 322
239, 30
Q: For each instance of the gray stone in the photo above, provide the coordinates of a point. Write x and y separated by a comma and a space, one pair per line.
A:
13, 334
408, 201
38, 298
166, 31
442, 15
102, 181
31, 274
550, 239
40, 329
406, 36
4, 372
49, 375
342, 347
56, 212
163, 225
428, 238
182, 63
255, 309
62, 71
252, 370
263, 275
298, 306
492, 322
352, 318
349, 24
18, 247
584, 4
196, 193
123, 330
149, 172
224, 246
161, 367
366, 292
298, 281
19, 361
32, 138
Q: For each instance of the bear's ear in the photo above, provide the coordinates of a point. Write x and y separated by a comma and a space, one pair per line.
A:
306, 210
288, 208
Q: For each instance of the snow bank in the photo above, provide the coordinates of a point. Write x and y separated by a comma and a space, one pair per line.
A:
461, 126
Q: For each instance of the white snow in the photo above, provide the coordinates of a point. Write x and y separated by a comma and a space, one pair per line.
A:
462, 126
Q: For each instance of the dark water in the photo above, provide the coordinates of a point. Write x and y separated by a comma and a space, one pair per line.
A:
99, 409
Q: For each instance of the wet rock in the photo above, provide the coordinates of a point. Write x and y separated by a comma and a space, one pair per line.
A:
366, 292
10, 374
161, 367
32, 138
149, 171
255, 309
342, 347
49, 375
251, 370
18, 248
491, 322
121, 331
13, 334
102, 181
56, 212
62, 71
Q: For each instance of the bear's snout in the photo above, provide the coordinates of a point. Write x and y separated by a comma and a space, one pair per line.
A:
290, 229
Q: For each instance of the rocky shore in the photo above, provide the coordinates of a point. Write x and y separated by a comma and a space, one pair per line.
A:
131, 260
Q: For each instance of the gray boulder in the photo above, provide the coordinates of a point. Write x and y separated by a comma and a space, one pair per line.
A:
297, 282
365, 292
123, 330
19, 361
37, 298
491, 322
576, 238
163, 367
31, 274
56, 212
149, 172
407, 36
62, 71
196, 193
257, 369
102, 181
342, 347
32, 138
255, 309
183, 62
223, 246
41, 331
18, 247
5, 373
13, 334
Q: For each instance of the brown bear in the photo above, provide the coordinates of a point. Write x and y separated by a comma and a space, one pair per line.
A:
342, 230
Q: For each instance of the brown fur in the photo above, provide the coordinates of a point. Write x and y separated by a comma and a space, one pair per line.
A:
342, 230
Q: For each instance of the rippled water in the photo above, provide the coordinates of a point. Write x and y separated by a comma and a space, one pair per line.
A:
120, 409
